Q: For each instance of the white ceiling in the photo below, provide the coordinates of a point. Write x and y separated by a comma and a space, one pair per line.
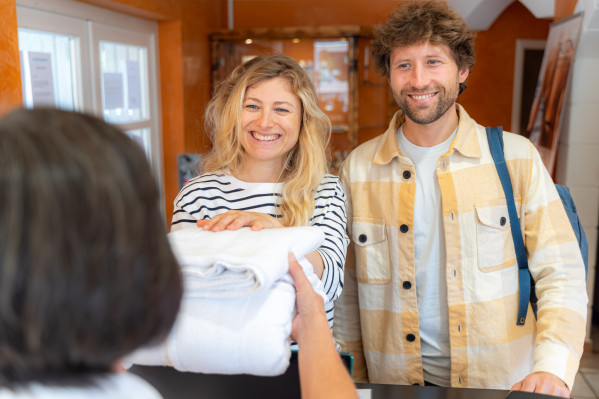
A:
480, 14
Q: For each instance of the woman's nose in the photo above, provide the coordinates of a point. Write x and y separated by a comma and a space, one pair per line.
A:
264, 119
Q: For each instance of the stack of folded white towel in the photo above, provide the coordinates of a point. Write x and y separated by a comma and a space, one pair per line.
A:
238, 302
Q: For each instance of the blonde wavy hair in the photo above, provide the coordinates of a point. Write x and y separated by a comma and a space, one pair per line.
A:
305, 165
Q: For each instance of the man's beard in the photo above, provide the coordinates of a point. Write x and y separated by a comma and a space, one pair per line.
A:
445, 101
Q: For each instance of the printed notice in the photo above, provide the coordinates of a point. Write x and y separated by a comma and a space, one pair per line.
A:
133, 84
113, 90
42, 85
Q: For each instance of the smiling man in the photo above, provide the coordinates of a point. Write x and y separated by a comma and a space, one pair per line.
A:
431, 279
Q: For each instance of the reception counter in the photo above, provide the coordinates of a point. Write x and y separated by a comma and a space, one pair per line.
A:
173, 384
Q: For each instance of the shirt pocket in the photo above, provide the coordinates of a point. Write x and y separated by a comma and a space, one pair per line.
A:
372, 252
494, 242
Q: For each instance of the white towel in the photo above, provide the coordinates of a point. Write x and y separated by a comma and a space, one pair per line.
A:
239, 262
226, 332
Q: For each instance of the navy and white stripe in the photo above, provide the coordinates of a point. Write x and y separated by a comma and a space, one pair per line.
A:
211, 194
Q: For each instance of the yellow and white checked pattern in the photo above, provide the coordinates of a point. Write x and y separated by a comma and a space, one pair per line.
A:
376, 317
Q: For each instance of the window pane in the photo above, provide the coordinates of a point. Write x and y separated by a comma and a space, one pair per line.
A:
124, 70
47, 69
141, 137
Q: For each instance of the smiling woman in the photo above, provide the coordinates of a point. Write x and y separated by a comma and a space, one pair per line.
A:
268, 164
270, 122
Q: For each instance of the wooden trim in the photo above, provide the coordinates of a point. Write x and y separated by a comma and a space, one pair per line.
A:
314, 32
353, 93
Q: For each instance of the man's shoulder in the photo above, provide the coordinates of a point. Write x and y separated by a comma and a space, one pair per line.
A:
516, 145
366, 151
515, 139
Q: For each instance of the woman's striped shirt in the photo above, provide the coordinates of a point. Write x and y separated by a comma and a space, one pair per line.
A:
211, 194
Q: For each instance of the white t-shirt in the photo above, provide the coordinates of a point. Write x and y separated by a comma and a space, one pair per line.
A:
110, 386
429, 248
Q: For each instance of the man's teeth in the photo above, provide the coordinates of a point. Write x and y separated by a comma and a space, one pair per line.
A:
423, 96
263, 137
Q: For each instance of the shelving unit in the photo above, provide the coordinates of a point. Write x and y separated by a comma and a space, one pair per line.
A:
337, 60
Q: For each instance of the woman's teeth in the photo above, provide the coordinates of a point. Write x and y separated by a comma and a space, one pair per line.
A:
263, 137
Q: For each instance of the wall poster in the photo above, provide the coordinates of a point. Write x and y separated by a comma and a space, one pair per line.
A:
545, 118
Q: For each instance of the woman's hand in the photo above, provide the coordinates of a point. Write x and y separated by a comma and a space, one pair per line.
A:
233, 220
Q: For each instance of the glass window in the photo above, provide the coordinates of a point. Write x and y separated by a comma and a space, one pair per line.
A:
47, 65
83, 58
124, 77
141, 137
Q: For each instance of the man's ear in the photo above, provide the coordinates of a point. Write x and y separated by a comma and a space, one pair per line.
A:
463, 74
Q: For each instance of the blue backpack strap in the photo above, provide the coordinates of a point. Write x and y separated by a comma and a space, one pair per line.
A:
495, 138
568, 202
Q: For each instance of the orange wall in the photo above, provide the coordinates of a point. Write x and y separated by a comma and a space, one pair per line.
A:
488, 97
277, 13
10, 64
564, 8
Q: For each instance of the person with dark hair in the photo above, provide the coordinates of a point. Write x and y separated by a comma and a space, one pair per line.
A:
86, 272
431, 286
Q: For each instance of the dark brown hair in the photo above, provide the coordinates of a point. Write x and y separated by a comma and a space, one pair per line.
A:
421, 22
86, 272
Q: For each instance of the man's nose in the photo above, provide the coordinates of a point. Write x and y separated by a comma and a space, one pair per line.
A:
419, 77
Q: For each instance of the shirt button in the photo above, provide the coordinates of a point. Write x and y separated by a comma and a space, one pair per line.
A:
502, 221
362, 238
403, 228
407, 174
407, 285
411, 337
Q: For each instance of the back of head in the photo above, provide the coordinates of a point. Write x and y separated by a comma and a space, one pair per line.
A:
86, 272
420, 22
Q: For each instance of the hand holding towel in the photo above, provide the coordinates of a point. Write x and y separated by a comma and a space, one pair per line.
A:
239, 301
